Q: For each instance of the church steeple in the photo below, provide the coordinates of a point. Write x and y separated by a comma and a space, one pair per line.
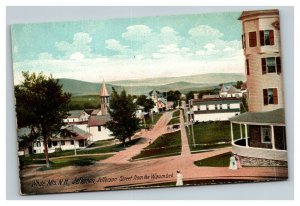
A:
104, 99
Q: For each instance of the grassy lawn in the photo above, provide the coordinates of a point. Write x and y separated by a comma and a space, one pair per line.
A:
208, 134
163, 146
101, 143
176, 113
174, 120
155, 118
77, 161
221, 160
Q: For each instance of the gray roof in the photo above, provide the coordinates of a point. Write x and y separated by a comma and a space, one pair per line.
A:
75, 113
276, 117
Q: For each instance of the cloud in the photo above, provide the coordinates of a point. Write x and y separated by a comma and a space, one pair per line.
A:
137, 33
76, 56
45, 55
205, 31
81, 43
115, 45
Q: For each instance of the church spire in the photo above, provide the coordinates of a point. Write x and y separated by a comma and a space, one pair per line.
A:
104, 99
103, 92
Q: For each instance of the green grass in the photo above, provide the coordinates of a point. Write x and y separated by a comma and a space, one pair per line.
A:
165, 145
156, 117
216, 161
174, 120
176, 113
85, 102
210, 133
101, 143
77, 161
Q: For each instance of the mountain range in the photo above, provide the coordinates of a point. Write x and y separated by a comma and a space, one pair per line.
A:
143, 86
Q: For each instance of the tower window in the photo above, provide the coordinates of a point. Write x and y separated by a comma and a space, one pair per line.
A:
271, 65
99, 128
252, 39
270, 96
266, 37
247, 67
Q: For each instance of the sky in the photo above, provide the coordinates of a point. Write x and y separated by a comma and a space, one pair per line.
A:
130, 48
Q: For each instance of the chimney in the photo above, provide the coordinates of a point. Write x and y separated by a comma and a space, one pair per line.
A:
196, 96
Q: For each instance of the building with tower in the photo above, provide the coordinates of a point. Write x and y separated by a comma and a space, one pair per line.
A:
262, 129
96, 122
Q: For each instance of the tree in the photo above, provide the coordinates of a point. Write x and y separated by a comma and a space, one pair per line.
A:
239, 84
122, 110
41, 105
148, 104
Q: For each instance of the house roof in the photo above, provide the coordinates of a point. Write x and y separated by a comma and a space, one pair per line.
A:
98, 120
233, 90
225, 88
219, 99
275, 117
103, 92
75, 113
89, 111
79, 133
246, 14
95, 112
210, 96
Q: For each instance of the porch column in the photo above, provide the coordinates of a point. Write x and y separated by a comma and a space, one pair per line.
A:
246, 135
241, 132
232, 138
272, 137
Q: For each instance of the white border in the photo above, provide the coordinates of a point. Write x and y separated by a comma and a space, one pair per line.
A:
134, 194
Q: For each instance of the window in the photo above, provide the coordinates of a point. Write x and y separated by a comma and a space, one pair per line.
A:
49, 144
228, 106
221, 106
38, 143
266, 37
271, 65
252, 39
243, 41
55, 143
216, 107
99, 128
247, 67
62, 142
265, 134
270, 96
72, 142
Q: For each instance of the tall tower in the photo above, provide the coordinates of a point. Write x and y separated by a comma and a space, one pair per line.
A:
104, 99
261, 44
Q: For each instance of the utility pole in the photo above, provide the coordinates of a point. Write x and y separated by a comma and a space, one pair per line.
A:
192, 122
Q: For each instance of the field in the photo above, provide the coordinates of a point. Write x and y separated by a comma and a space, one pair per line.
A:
216, 161
163, 146
211, 135
85, 102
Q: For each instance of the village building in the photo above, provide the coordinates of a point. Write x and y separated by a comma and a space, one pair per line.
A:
77, 117
161, 103
262, 128
99, 117
214, 108
230, 91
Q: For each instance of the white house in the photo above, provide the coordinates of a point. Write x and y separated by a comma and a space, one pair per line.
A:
69, 138
77, 116
230, 91
97, 129
215, 109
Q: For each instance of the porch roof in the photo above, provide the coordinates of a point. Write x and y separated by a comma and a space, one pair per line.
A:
272, 117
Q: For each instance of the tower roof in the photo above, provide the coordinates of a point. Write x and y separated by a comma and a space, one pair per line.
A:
103, 92
253, 13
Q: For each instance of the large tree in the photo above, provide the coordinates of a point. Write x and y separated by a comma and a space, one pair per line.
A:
148, 104
122, 110
41, 105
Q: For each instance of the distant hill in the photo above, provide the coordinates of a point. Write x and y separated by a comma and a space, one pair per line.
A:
143, 86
